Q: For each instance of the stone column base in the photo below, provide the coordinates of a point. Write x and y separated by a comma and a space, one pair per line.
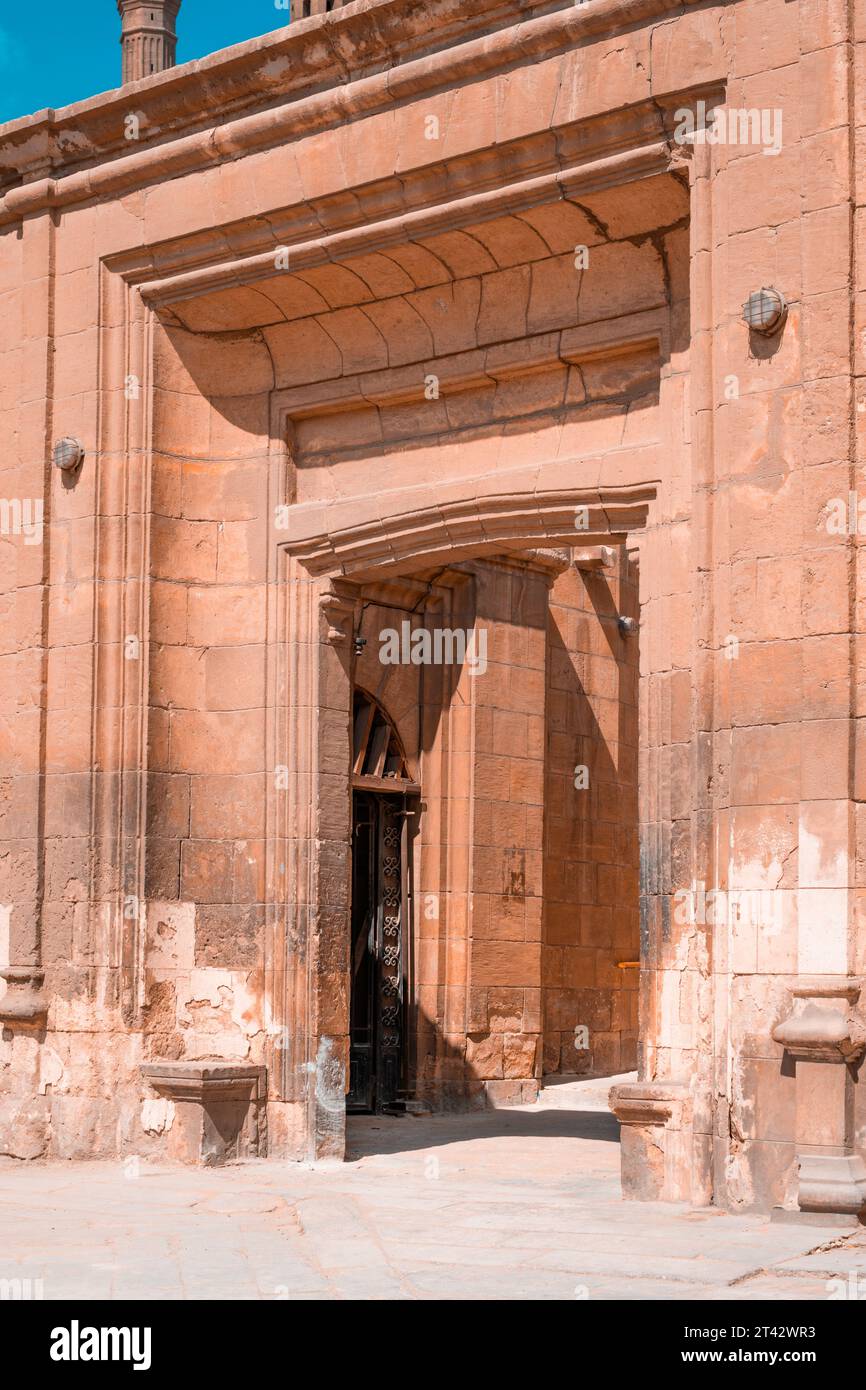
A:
832, 1183
219, 1109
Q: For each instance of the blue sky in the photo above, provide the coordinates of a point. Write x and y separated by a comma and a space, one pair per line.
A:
51, 55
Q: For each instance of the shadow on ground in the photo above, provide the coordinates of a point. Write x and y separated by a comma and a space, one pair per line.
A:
367, 1135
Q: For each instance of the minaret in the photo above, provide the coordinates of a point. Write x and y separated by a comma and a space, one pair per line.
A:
305, 9
148, 38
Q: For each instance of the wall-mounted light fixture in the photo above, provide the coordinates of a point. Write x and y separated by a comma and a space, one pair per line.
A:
627, 626
765, 311
358, 644
68, 453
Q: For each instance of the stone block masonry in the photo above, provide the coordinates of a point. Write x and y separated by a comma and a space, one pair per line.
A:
435, 316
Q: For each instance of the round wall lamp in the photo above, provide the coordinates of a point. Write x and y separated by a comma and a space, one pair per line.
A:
627, 626
68, 454
765, 311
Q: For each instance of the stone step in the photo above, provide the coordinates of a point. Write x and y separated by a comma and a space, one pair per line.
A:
570, 1092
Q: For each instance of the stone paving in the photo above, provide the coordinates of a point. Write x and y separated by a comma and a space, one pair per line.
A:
509, 1204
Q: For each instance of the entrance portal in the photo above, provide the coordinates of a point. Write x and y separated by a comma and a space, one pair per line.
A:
380, 959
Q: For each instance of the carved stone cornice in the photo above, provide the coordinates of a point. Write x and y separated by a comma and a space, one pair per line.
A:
302, 72
636, 335
641, 160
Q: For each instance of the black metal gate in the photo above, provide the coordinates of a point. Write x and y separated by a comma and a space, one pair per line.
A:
377, 968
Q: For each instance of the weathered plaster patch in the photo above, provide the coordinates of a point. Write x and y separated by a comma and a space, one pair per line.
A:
217, 1014
85, 1013
739, 1186
675, 1029
5, 920
822, 941
823, 845
330, 1079
157, 1115
748, 872
50, 1069
170, 936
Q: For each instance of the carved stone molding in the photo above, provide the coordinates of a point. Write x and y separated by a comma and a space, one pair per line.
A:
24, 1000
174, 103
551, 560
219, 1109
824, 1026
457, 521
338, 610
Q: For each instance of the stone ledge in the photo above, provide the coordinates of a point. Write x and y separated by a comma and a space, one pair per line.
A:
823, 1026
649, 1102
201, 1080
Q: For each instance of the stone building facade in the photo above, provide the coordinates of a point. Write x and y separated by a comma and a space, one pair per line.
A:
435, 664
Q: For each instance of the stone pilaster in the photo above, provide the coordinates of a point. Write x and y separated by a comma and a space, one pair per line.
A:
825, 1038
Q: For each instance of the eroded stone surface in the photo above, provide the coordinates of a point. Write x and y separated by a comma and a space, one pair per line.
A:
341, 349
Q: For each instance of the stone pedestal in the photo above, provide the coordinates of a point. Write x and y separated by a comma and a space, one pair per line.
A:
826, 1039
219, 1109
655, 1139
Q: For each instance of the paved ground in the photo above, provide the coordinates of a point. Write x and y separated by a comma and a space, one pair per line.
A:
511, 1204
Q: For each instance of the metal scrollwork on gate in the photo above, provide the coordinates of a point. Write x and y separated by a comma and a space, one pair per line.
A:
391, 978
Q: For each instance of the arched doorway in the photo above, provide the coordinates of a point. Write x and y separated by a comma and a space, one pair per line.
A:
384, 798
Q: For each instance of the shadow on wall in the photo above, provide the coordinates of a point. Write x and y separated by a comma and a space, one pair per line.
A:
590, 893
